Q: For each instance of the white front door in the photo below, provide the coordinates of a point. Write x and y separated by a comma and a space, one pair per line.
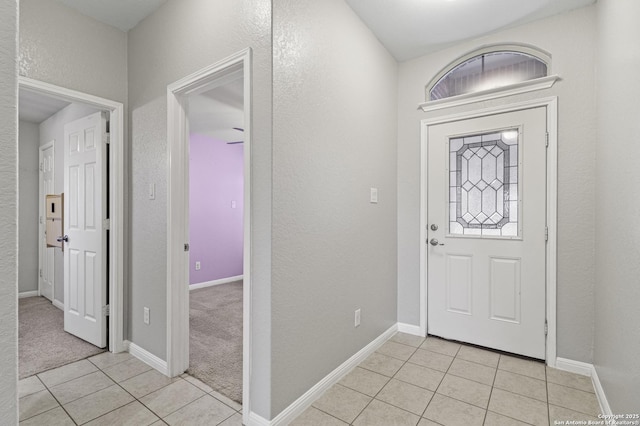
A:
486, 226
85, 280
46, 281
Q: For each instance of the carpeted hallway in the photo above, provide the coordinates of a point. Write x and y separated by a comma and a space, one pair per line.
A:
215, 338
42, 342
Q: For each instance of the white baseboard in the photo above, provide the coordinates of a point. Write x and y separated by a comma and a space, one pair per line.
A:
302, 403
58, 304
28, 294
572, 366
215, 282
602, 398
589, 370
410, 329
147, 357
257, 420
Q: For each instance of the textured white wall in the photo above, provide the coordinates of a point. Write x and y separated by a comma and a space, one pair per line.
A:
52, 129
63, 47
573, 56
8, 213
28, 206
180, 38
334, 97
617, 328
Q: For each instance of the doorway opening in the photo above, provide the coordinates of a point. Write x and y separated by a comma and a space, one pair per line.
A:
209, 235
46, 112
216, 174
491, 268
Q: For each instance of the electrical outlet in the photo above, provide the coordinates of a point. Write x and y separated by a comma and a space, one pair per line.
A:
198, 266
146, 315
357, 318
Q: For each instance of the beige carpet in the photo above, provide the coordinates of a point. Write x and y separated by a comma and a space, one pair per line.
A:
42, 342
215, 338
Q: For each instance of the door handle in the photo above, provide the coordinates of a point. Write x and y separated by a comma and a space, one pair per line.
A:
64, 238
434, 242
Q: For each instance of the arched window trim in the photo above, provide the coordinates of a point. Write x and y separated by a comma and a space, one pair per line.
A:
479, 96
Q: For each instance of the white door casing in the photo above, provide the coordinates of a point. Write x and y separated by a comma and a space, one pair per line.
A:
488, 289
85, 279
46, 254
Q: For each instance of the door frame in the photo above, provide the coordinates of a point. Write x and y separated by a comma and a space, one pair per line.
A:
178, 212
551, 105
116, 196
42, 221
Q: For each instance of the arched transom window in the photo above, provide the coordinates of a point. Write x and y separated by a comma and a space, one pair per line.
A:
488, 68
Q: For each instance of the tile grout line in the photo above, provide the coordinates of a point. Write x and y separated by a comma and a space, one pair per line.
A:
493, 384
390, 378
440, 382
56, 399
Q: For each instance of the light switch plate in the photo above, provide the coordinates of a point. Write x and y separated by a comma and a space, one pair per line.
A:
374, 196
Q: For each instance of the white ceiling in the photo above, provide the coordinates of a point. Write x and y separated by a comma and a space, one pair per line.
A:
412, 28
216, 112
36, 108
122, 14
407, 28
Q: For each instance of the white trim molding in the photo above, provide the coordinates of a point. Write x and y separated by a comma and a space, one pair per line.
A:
58, 304
116, 196
416, 330
485, 95
28, 294
215, 282
237, 66
302, 403
147, 357
586, 369
551, 105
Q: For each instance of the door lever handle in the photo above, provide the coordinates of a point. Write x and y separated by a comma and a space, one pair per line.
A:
434, 242
63, 238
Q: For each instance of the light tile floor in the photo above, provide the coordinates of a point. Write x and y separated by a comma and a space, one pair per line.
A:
416, 381
118, 389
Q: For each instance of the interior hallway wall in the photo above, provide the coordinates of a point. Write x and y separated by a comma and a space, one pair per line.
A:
8, 212
573, 59
52, 129
201, 33
617, 328
28, 179
58, 45
216, 204
334, 97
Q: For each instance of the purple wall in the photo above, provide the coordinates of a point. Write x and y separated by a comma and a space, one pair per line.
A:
216, 229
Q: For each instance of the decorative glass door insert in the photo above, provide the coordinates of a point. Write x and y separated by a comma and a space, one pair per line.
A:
483, 184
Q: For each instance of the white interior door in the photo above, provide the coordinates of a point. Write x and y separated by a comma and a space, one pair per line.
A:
486, 228
85, 283
46, 281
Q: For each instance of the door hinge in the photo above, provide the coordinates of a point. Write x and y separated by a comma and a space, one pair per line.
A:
106, 224
546, 327
186, 247
40, 220
40, 272
41, 167
106, 310
107, 138
546, 233
546, 138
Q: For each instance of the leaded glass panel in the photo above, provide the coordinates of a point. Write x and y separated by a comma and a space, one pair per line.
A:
483, 184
